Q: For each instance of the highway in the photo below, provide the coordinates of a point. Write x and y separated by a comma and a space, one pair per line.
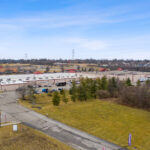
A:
75, 138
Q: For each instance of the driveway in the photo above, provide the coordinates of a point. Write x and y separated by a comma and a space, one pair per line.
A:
68, 135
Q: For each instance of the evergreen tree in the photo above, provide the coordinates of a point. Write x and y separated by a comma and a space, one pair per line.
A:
112, 86
104, 83
56, 99
82, 95
93, 89
128, 82
64, 98
73, 97
148, 82
73, 91
98, 84
138, 83
62, 92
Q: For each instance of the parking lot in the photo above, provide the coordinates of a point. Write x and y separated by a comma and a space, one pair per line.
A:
49, 80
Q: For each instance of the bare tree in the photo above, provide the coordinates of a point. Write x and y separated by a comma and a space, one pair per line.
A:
22, 92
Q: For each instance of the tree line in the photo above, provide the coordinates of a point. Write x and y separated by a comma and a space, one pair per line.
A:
125, 93
132, 95
132, 65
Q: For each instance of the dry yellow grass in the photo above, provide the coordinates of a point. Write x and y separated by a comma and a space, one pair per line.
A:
28, 139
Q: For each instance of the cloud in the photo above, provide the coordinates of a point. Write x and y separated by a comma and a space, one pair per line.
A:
53, 21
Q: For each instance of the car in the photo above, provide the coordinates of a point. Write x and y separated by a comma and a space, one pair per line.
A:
61, 84
53, 90
77, 82
60, 89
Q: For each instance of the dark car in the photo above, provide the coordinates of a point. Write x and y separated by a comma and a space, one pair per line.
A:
61, 84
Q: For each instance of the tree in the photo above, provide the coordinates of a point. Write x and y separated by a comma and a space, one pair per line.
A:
22, 92
64, 98
98, 84
73, 97
148, 82
82, 94
56, 99
128, 82
112, 87
73, 91
104, 84
93, 88
62, 91
138, 83
31, 94
47, 69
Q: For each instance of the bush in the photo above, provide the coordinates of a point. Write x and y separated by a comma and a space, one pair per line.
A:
62, 92
64, 97
56, 99
102, 94
136, 96
73, 97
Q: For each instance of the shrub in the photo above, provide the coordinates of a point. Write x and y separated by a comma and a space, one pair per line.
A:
64, 98
128, 82
73, 97
102, 94
62, 92
56, 99
136, 96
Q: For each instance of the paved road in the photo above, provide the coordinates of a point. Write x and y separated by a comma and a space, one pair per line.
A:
73, 137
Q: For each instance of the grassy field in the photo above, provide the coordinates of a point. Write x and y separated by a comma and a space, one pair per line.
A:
103, 119
27, 139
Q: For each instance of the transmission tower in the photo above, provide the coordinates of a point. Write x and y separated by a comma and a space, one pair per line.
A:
26, 56
73, 53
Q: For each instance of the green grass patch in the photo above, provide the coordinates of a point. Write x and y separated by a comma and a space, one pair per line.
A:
104, 119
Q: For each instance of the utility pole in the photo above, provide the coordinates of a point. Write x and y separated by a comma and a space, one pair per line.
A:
26, 56
73, 53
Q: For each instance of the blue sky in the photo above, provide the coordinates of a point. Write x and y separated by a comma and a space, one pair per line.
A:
94, 28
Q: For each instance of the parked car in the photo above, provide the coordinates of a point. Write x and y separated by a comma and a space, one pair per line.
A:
61, 84
53, 90
60, 89
45, 90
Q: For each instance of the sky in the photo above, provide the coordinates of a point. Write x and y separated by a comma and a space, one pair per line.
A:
98, 29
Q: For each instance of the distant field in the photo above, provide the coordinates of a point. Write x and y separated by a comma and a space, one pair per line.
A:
103, 119
28, 139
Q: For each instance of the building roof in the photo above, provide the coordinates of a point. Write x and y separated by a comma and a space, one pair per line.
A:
18, 79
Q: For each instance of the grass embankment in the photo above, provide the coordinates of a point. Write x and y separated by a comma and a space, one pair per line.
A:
27, 139
103, 119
